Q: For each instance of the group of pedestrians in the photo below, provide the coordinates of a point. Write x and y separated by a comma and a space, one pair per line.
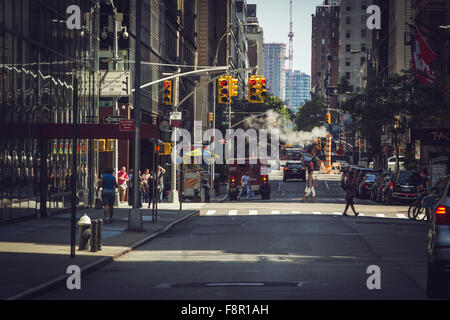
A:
124, 183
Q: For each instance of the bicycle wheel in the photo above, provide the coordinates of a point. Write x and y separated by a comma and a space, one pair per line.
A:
420, 213
411, 212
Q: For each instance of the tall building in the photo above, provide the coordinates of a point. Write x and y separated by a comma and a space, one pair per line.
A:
355, 40
301, 89
325, 47
255, 39
274, 68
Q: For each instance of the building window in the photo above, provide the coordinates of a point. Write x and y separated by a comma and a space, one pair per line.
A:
363, 47
363, 20
348, 20
348, 34
347, 75
363, 33
349, 7
364, 6
363, 60
323, 41
347, 62
347, 48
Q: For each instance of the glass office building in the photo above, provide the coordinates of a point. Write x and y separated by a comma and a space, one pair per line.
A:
41, 63
301, 86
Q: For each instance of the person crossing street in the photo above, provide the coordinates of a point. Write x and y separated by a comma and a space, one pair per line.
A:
311, 185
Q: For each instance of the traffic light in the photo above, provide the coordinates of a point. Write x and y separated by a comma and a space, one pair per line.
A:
233, 87
210, 117
110, 145
328, 117
167, 92
263, 88
397, 122
253, 91
101, 145
224, 90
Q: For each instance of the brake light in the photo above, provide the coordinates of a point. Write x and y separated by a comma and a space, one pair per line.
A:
391, 185
442, 216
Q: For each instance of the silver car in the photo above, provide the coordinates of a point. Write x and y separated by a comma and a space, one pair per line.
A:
439, 239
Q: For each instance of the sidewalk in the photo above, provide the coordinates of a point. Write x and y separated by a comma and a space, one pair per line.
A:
35, 254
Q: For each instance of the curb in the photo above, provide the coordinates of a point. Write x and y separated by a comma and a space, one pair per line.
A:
92, 266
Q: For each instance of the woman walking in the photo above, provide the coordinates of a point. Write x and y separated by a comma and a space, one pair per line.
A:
350, 193
310, 187
108, 185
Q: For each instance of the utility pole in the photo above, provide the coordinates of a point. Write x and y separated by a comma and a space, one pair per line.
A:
173, 195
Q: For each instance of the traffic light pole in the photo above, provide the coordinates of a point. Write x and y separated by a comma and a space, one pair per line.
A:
174, 195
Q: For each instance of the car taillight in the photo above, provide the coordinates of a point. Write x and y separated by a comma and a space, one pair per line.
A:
391, 185
442, 215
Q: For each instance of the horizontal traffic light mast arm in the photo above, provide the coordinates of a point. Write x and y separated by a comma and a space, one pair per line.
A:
182, 75
208, 82
254, 116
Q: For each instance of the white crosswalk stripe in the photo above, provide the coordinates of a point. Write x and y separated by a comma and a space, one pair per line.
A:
253, 212
317, 213
337, 213
210, 212
232, 212
296, 212
381, 215
275, 212
401, 215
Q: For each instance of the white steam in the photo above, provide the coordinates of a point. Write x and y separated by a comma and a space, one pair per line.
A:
275, 121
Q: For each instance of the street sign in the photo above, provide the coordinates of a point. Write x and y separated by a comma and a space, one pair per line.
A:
113, 119
107, 103
126, 125
386, 140
115, 83
176, 120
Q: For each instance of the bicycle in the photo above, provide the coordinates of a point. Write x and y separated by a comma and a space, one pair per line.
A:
416, 211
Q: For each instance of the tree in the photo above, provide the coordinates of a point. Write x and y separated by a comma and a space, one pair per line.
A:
311, 114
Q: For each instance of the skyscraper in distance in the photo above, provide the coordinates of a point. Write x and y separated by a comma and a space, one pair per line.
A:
274, 68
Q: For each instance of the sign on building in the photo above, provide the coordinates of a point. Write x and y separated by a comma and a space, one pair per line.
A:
115, 83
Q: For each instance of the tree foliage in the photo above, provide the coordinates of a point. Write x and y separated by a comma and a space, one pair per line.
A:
311, 114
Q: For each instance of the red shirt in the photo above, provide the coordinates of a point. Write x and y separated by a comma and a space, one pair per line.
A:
122, 176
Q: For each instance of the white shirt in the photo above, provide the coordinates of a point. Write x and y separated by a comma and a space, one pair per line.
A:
245, 179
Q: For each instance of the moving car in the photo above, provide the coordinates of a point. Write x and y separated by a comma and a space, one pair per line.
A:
294, 170
346, 171
438, 274
402, 186
360, 173
393, 160
379, 185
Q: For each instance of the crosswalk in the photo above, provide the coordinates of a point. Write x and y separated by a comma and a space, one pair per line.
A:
255, 212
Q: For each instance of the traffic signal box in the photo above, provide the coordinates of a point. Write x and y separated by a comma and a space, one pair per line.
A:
167, 92
104, 145
253, 90
257, 89
210, 117
328, 115
233, 87
163, 149
223, 87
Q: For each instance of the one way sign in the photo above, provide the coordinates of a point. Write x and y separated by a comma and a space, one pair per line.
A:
115, 83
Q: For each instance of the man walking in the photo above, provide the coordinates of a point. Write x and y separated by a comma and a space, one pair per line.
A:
350, 193
245, 185
160, 177
310, 187
123, 179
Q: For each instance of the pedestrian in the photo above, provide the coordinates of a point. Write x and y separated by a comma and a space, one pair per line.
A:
145, 189
160, 180
130, 188
350, 193
123, 181
311, 186
108, 184
245, 186
151, 185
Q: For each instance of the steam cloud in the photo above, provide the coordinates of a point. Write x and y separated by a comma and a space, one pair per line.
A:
274, 121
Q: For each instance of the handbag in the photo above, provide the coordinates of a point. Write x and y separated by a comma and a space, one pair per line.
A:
98, 203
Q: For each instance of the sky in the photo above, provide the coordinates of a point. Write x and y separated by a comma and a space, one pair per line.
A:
273, 17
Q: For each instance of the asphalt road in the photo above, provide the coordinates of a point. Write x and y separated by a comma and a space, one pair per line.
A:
276, 249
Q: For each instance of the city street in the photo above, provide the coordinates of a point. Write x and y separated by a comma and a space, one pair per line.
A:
274, 249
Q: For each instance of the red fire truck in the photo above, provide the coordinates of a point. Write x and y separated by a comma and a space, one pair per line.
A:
258, 173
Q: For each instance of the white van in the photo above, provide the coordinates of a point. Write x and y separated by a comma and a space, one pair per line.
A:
393, 160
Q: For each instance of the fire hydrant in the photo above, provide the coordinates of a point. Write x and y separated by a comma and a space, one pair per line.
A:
84, 226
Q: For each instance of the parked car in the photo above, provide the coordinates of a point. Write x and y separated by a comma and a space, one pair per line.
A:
360, 173
393, 160
342, 160
402, 186
294, 170
380, 184
438, 275
366, 184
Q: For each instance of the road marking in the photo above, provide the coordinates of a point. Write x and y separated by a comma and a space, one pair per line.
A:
275, 212
232, 212
296, 212
381, 215
401, 215
253, 212
362, 215
235, 284
337, 213
317, 213
327, 186
210, 212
